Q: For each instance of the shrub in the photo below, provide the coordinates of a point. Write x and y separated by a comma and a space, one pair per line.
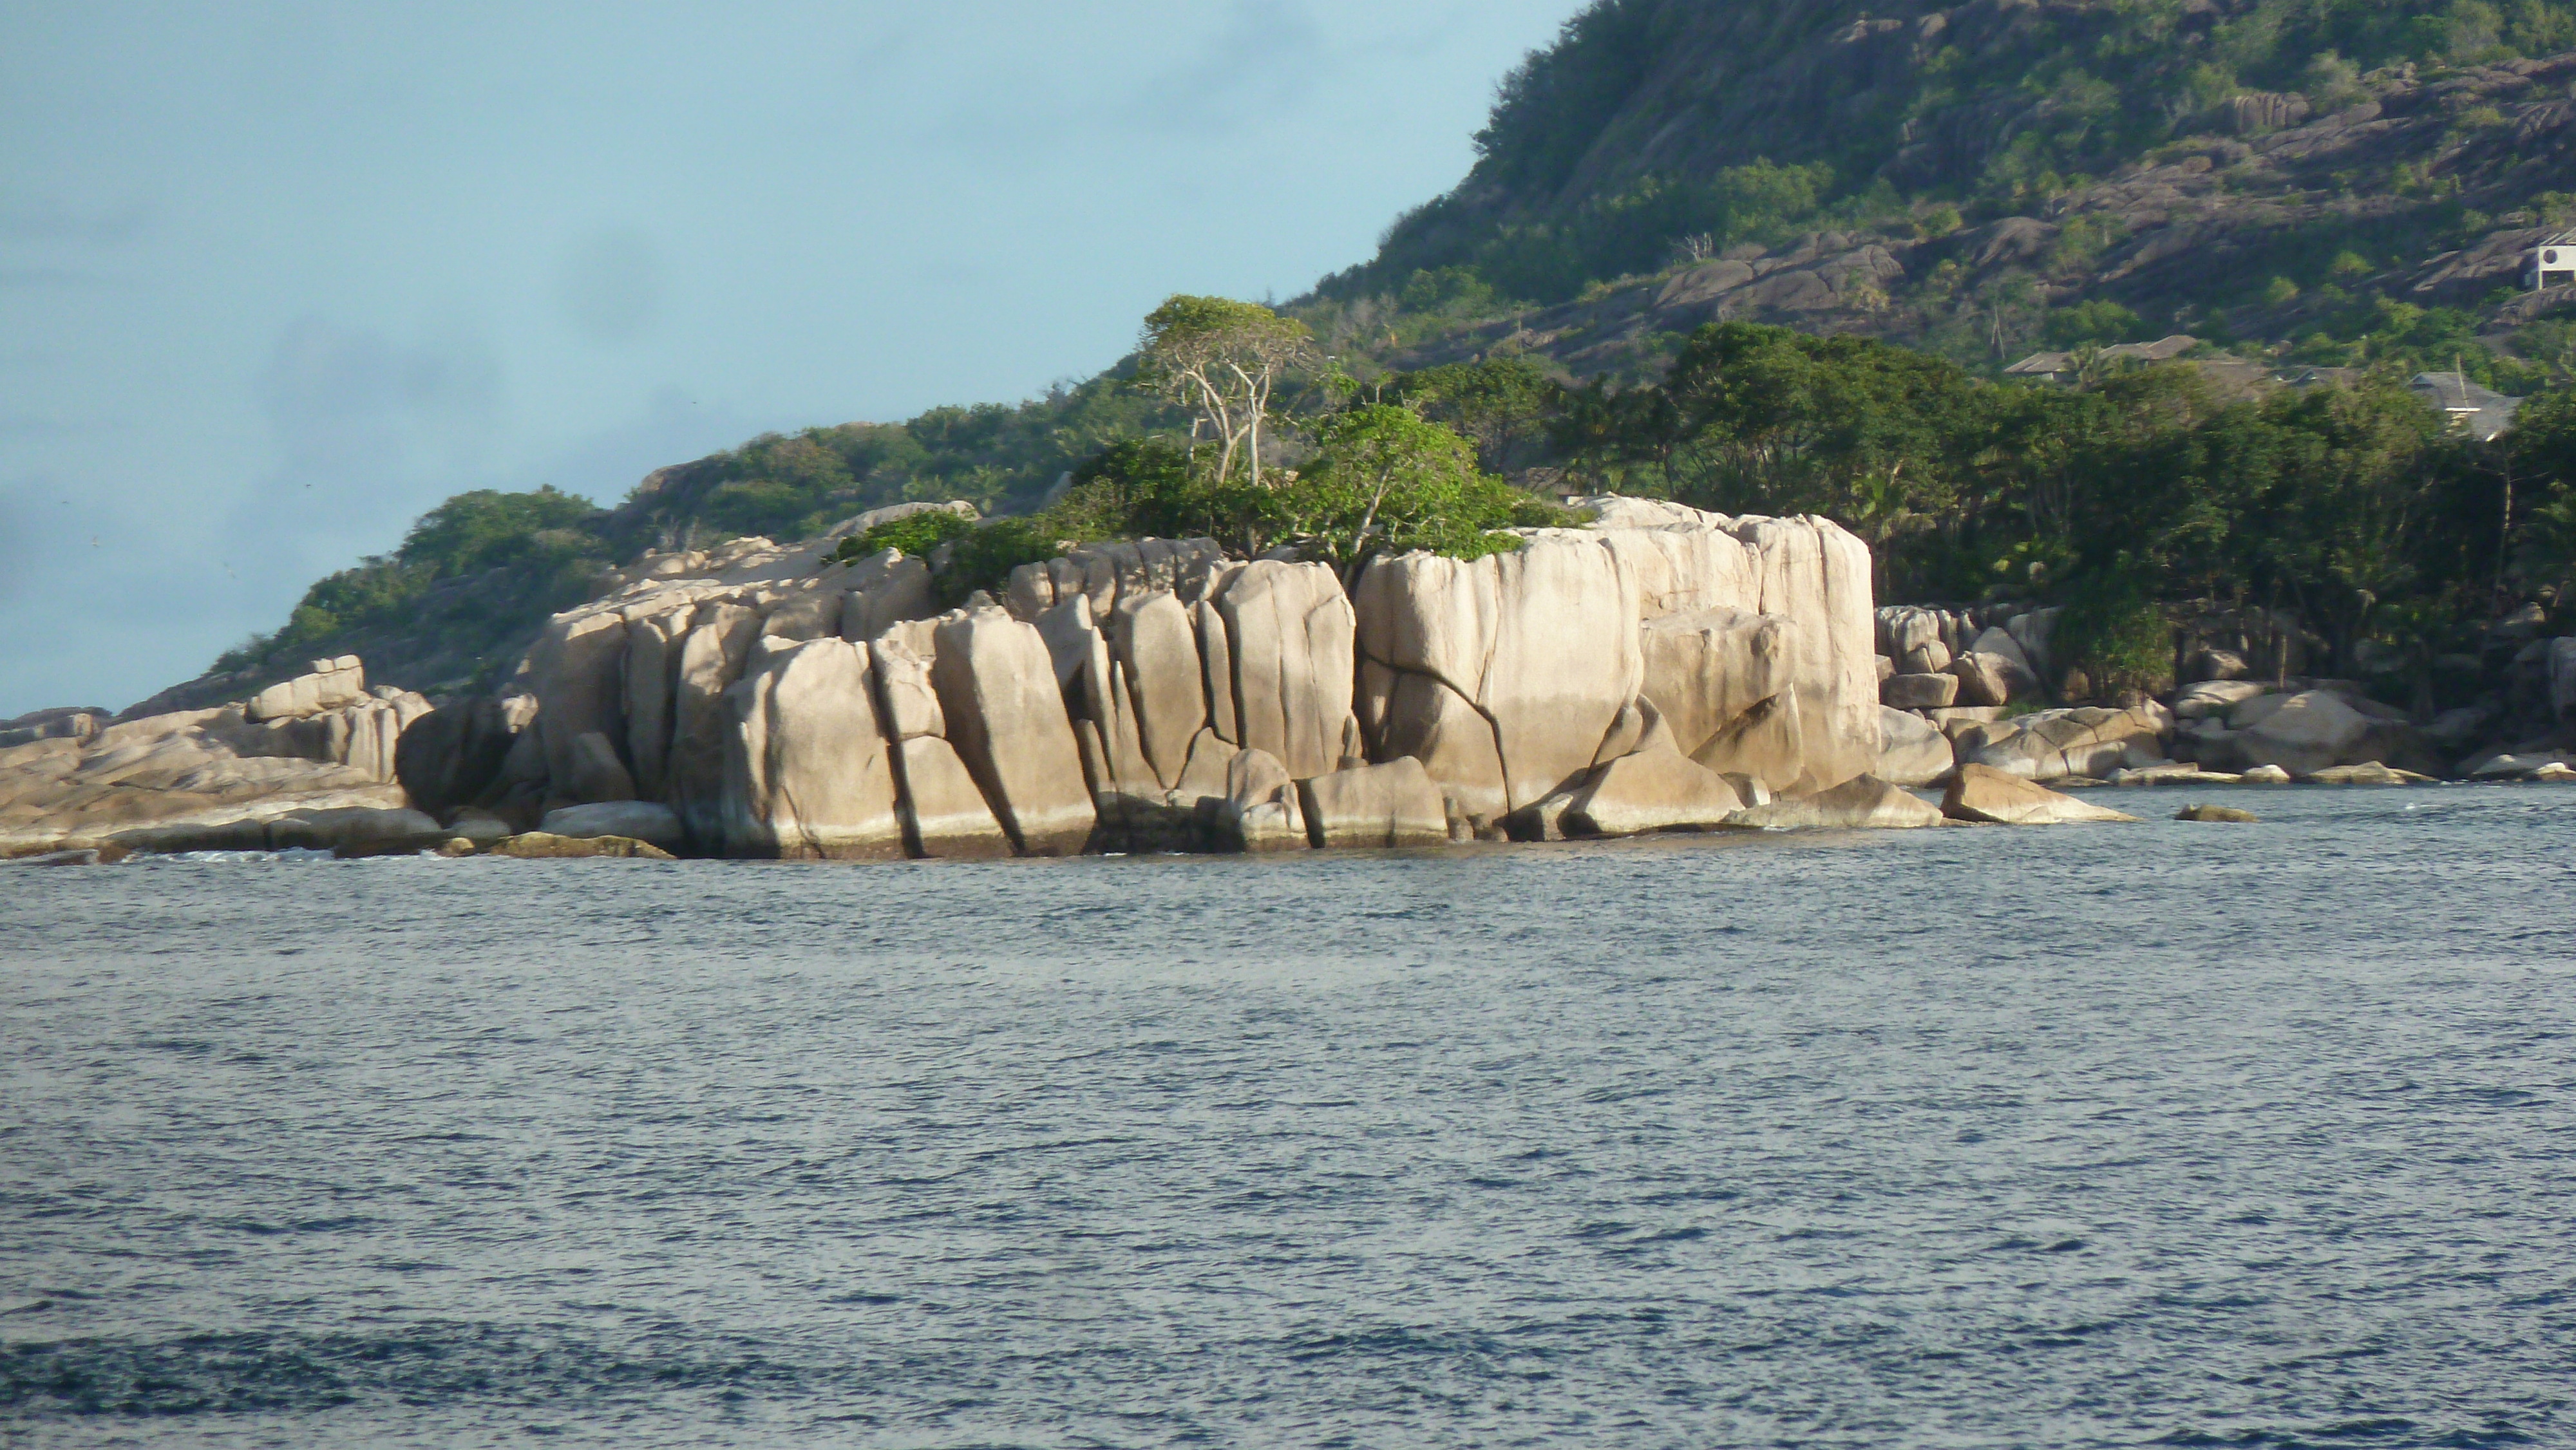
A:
915, 534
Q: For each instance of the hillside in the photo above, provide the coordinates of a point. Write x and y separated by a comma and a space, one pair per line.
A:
2299, 183
1984, 179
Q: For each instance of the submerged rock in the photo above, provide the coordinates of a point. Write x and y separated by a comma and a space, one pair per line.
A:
538, 846
2219, 815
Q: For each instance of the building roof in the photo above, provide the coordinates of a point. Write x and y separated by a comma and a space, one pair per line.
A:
2481, 411
2055, 364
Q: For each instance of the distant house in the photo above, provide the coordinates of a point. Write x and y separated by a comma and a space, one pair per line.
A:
2550, 263
2065, 367
2480, 412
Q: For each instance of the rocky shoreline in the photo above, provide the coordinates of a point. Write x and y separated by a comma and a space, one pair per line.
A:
1659, 670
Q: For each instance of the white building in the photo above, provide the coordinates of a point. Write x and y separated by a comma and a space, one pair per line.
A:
2550, 264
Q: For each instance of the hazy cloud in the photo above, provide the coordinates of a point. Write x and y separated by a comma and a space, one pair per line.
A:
611, 286
1265, 57
108, 228
367, 431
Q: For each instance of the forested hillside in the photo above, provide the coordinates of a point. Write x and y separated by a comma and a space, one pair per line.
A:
2300, 184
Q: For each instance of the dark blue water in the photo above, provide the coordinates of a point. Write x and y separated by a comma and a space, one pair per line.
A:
2155, 1135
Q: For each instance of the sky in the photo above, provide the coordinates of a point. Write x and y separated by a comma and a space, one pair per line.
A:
275, 278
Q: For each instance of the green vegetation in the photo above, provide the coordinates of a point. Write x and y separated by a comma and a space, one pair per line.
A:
915, 534
1652, 134
1001, 459
539, 550
2352, 504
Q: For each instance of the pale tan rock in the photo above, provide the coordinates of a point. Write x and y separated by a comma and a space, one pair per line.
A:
945, 812
1540, 644
1931, 657
1261, 810
1375, 806
577, 672
1768, 743
1984, 794
2056, 744
1919, 692
652, 669
711, 661
1290, 632
358, 831
1991, 680
1912, 751
1216, 664
2369, 772
2265, 775
909, 702
1864, 803
810, 775
1156, 641
809, 614
1653, 790
886, 590
1006, 717
1705, 669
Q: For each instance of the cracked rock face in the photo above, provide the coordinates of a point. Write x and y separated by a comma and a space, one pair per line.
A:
1659, 671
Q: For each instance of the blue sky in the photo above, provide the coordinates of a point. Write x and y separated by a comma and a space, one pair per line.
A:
276, 277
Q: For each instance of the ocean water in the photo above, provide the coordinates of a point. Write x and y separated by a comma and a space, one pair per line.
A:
2094, 1136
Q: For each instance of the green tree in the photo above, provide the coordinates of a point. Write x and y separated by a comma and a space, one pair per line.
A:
1386, 479
1221, 360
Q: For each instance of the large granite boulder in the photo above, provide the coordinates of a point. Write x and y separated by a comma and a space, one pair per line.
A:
636, 820
712, 656
1390, 805
1707, 669
944, 811
1912, 750
808, 772
331, 684
2056, 744
1005, 715
2316, 730
1864, 803
1804, 570
1989, 796
1502, 675
1654, 789
1262, 809
1991, 679
576, 671
1290, 636
1919, 692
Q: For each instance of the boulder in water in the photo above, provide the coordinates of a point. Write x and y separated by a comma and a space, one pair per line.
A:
1864, 804
2219, 815
1988, 796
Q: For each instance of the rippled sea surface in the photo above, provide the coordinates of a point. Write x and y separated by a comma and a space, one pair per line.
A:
2153, 1135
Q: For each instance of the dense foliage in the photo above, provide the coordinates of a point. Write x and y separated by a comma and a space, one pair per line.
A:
533, 553
2352, 504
